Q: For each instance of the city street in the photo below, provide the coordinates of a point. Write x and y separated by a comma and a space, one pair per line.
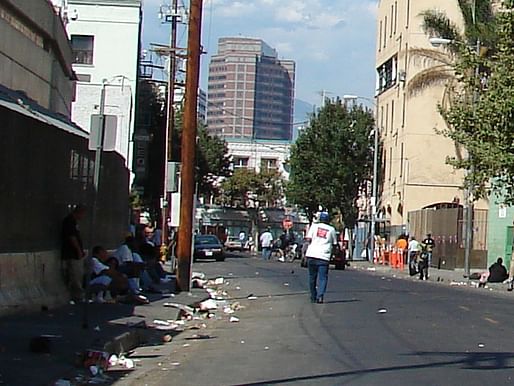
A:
372, 330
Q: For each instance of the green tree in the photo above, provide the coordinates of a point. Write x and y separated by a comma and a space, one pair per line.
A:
331, 160
479, 25
481, 117
212, 162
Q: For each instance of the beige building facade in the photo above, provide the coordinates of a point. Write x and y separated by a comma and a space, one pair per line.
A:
414, 173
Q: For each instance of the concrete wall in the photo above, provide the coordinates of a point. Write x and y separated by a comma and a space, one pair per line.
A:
35, 55
39, 182
499, 221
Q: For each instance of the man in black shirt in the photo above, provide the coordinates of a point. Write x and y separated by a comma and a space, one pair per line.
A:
429, 247
72, 252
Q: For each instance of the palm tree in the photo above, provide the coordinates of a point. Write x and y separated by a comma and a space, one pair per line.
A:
479, 26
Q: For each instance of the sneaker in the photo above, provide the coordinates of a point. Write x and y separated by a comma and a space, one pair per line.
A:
320, 300
99, 298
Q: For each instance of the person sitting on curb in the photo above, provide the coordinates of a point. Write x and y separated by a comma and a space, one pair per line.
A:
105, 279
497, 274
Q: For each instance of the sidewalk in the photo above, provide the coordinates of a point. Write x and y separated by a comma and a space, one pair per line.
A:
114, 328
440, 276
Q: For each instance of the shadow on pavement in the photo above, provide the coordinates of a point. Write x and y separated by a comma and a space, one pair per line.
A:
464, 360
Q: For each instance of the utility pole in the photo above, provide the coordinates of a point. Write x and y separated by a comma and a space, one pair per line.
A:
170, 122
187, 187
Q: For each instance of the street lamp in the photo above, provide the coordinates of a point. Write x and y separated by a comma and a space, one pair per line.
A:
374, 189
468, 225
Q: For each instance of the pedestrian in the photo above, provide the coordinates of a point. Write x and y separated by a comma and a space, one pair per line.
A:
430, 244
322, 239
266, 241
72, 253
423, 263
414, 248
242, 239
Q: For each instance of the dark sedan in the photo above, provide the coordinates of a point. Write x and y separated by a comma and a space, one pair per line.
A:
208, 247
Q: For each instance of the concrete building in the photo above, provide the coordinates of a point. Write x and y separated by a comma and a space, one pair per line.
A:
105, 36
46, 165
35, 54
414, 172
250, 91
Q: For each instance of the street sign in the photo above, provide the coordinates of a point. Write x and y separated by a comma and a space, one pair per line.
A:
287, 223
111, 125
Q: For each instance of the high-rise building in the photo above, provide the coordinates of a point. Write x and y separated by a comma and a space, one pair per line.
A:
250, 91
414, 172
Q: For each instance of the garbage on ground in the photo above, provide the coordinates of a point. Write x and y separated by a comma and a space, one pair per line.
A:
251, 297
371, 269
126, 362
219, 281
458, 283
228, 310
481, 345
199, 337
167, 338
208, 305
266, 348
198, 283
198, 275
233, 319
113, 360
382, 311
286, 284
97, 358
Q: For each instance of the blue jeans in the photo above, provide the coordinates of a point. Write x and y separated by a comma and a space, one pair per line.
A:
266, 253
318, 277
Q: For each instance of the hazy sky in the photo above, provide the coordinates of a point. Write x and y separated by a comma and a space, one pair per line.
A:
332, 41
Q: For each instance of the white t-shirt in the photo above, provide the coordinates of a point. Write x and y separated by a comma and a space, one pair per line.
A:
413, 245
98, 266
266, 239
323, 237
123, 254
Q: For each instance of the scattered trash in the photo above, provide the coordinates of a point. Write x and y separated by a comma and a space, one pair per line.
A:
219, 281
481, 345
383, 278
238, 288
96, 358
167, 338
207, 305
382, 311
198, 283
242, 342
175, 363
286, 284
113, 360
228, 310
186, 345
251, 297
266, 348
72, 302
371, 269
198, 337
126, 362
97, 329
233, 319
256, 273
161, 322
198, 275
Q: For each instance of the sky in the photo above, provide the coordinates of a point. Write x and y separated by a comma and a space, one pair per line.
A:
332, 41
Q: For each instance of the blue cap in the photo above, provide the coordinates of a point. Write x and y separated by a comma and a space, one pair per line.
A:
324, 217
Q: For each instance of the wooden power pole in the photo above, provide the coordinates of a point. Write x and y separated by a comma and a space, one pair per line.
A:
187, 188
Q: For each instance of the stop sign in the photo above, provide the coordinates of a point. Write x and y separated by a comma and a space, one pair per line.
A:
287, 223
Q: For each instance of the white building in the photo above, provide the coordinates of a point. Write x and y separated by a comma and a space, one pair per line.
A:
105, 37
260, 154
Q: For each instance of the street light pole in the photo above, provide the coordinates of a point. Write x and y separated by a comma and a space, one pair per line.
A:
374, 187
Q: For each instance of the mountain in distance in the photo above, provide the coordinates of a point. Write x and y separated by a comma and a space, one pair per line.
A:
302, 113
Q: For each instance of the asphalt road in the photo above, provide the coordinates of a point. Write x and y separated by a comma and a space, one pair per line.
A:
430, 334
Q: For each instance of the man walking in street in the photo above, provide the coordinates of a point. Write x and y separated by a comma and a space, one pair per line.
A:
72, 253
323, 239
266, 240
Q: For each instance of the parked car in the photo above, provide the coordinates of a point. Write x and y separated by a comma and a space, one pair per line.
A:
208, 247
233, 244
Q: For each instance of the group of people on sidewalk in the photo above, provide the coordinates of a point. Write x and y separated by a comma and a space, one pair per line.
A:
132, 268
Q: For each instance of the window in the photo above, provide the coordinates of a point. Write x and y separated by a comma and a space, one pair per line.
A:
82, 46
387, 74
268, 164
240, 162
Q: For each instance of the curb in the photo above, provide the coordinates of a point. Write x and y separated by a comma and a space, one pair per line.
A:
125, 342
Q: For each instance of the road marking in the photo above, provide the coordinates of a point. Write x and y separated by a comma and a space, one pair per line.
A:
491, 320
464, 308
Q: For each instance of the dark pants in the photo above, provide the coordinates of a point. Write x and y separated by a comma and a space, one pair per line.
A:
423, 269
318, 278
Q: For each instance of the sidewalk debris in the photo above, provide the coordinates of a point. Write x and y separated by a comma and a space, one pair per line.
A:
208, 305
382, 311
198, 275
167, 338
373, 269
252, 297
481, 345
233, 319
